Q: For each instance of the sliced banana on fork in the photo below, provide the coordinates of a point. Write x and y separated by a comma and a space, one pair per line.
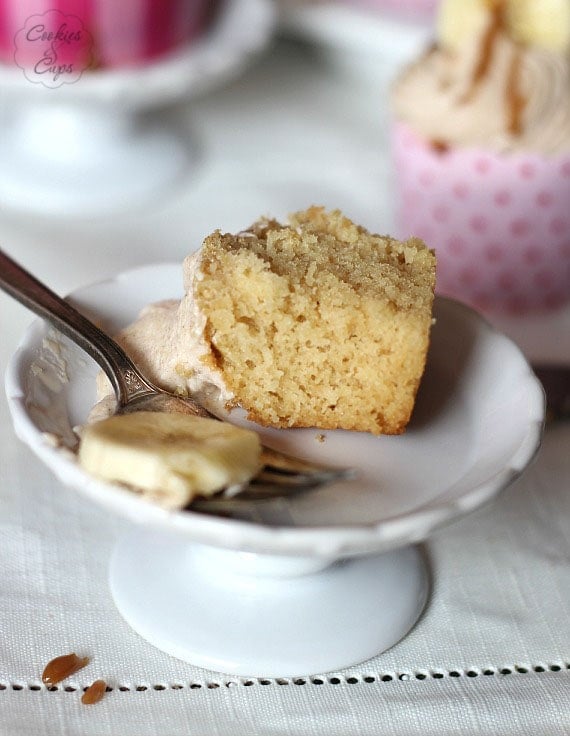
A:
170, 458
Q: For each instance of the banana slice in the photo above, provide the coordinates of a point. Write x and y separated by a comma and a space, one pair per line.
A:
459, 21
543, 23
170, 457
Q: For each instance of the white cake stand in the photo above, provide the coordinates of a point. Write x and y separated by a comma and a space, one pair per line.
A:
261, 615
318, 582
107, 142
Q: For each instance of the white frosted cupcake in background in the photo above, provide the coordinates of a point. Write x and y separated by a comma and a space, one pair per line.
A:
481, 146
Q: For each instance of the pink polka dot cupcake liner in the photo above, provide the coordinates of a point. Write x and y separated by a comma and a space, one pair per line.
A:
499, 223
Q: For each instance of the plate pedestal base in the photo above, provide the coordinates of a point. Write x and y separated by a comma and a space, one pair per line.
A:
263, 615
63, 159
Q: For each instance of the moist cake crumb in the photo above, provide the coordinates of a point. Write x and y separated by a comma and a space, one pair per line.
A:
317, 322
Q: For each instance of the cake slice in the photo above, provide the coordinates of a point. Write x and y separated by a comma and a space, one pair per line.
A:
313, 323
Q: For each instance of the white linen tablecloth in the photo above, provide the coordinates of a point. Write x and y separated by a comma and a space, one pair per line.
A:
491, 654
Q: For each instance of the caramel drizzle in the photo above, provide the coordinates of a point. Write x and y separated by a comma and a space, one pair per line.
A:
515, 101
497, 24
440, 146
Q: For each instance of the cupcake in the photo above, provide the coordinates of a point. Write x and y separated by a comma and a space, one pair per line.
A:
481, 147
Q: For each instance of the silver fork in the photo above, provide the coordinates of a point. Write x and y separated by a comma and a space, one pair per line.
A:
281, 474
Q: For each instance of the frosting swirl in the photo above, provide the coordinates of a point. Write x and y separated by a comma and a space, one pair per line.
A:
493, 92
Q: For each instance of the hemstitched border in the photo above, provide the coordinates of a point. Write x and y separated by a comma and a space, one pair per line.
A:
316, 680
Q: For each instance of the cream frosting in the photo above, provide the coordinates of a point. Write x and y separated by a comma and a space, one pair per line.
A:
167, 343
191, 348
493, 92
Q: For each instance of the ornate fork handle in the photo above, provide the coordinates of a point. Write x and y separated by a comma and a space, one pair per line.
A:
127, 381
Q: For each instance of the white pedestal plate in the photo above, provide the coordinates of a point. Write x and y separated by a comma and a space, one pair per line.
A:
317, 582
107, 142
265, 615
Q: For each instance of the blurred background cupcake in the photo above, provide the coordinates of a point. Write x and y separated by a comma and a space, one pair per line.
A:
97, 95
121, 34
481, 147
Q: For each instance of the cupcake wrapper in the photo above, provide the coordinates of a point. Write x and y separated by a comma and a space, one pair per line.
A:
500, 223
